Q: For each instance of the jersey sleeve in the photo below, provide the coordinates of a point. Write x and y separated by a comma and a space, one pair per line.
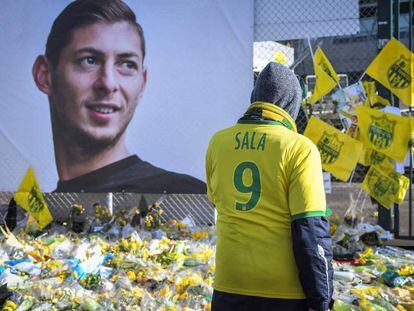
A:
306, 191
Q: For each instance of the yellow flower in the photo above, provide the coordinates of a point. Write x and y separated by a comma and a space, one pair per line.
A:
165, 240
131, 275
134, 246
406, 270
138, 292
191, 280
124, 243
206, 255
196, 235
115, 278
182, 296
103, 295
164, 291
9, 306
365, 305
371, 290
45, 249
35, 254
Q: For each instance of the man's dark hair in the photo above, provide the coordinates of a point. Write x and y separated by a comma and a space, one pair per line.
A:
82, 13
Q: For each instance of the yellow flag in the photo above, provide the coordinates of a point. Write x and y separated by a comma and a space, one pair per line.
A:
373, 100
372, 157
280, 57
382, 187
326, 77
412, 134
384, 132
393, 68
29, 197
339, 152
403, 182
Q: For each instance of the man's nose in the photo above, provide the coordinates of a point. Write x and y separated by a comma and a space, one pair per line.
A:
106, 81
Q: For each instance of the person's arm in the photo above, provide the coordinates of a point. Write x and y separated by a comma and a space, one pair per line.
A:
309, 227
313, 255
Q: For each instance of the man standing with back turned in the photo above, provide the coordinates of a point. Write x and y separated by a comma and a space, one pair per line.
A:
273, 243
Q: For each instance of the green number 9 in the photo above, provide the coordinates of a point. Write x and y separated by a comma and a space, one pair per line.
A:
254, 188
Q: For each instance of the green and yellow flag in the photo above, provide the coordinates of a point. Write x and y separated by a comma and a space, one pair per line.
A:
393, 68
387, 187
326, 77
403, 182
384, 132
29, 197
372, 157
339, 152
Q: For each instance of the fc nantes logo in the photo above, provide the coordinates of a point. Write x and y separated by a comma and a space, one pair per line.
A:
377, 158
381, 131
36, 203
398, 74
329, 147
381, 186
325, 68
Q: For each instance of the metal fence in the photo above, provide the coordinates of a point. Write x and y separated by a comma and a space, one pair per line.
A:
350, 32
175, 206
285, 31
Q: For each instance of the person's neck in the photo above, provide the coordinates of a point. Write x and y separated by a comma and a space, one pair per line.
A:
74, 161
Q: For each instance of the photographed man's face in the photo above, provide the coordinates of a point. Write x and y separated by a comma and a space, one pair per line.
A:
98, 83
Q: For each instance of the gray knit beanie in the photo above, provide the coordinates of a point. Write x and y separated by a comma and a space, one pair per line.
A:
277, 84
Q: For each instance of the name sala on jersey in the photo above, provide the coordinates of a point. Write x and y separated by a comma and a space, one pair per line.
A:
250, 141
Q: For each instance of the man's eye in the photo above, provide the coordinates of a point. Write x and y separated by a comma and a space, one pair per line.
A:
88, 61
129, 65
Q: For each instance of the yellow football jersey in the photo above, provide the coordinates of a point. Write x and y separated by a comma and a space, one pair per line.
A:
260, 177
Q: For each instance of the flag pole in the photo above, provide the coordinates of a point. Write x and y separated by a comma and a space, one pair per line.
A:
310, 48
313, 57
363, 75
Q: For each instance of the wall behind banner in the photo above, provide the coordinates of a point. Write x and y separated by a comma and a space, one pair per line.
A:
199, 60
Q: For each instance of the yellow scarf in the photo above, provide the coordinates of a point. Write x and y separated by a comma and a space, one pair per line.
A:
271, 112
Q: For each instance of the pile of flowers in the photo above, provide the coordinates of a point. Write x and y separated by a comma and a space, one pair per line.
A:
154, 265
134, 260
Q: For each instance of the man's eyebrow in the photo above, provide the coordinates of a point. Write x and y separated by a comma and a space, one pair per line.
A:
89, 50
101, 53
128, 55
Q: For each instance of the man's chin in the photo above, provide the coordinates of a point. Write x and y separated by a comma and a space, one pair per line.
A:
96, 143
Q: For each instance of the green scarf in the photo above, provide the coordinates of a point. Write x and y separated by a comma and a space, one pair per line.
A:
262, 111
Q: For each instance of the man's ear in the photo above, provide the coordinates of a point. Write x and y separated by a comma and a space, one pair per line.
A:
42, 72
144, 78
